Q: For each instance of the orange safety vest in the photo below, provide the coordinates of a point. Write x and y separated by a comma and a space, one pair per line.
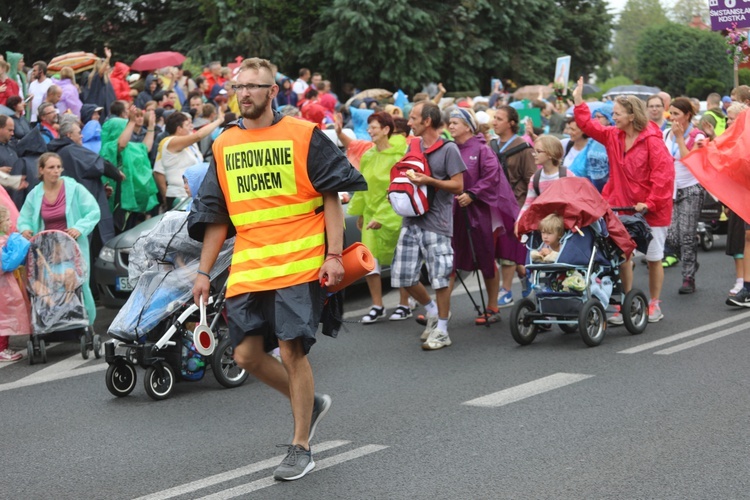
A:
273, 205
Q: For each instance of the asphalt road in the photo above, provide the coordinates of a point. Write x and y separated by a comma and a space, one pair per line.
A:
658, 415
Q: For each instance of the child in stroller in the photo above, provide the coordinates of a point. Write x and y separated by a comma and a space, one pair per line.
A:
574, 287
155, 327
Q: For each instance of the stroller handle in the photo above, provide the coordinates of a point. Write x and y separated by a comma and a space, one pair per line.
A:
622, 209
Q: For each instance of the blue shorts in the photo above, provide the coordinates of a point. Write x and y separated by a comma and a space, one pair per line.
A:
284, 314
416, 245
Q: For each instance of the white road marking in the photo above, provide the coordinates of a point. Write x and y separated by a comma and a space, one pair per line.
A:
523, 391
703, 340
689, 333
66, 368
266, 482
232, 474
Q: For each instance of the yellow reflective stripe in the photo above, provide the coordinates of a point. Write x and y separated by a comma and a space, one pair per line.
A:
269, 272
284, 248
282, 212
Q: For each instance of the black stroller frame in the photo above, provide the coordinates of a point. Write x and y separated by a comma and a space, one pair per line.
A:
577, 310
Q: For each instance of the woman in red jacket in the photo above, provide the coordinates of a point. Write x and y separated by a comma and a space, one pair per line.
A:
641, 175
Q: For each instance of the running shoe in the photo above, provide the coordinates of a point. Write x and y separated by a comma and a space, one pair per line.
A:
436, 340
742, 299
504, 298
654, 311
297, 463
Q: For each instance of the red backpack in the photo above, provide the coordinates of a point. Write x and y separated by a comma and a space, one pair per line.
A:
406, 198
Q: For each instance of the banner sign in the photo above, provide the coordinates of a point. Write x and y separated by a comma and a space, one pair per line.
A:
725, 13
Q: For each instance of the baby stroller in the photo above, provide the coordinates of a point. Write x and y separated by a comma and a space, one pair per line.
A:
575, 290
155, 329
56, 274
712, 221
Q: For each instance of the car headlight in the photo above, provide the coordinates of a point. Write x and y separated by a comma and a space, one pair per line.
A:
107, 254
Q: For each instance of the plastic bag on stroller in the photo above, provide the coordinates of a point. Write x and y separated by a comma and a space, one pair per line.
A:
167, 283
56, 274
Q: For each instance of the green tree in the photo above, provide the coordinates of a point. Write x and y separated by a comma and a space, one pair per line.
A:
670, 55
378, 42
636, 17
683, 11
583, 31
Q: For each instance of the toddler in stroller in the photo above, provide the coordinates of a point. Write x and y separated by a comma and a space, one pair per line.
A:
155, 327
579, 277
56, 274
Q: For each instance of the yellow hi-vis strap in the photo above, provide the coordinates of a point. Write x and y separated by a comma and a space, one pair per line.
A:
275, 213
277, 249
270, 272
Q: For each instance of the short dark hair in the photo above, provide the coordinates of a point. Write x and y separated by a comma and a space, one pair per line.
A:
4, 120
42, 66
432, 111
13, 101
401, 125
175, 121
383, 119
310, 93
117, 108
303, 71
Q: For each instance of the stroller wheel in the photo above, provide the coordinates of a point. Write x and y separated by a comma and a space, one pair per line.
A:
707, 241
592, 323
159, 381
84, 347
121, 378
635, 311
225, 368
569, 328
523, 330
42, 351
97, 342
30, 351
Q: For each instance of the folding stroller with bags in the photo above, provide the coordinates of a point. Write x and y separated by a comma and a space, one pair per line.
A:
577, 286
56, 274
160, 328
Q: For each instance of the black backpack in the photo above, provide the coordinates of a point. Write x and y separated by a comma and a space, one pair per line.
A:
503, 157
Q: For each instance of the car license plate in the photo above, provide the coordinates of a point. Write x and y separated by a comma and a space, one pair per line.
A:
123, 285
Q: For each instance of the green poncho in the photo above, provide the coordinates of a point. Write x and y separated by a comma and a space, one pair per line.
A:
373, 204
138, 190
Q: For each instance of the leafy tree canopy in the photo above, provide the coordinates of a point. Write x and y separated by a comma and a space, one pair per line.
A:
404, 43
671, 55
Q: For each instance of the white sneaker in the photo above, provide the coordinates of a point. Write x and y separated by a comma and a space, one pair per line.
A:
436, 340
431, 324
9, 355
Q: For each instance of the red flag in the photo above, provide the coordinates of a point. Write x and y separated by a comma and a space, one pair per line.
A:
723, 166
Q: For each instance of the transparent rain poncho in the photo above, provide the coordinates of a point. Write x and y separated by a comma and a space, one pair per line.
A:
164, 262
56, 274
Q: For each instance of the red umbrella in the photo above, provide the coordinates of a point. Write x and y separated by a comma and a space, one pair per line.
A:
578, 202
156, 60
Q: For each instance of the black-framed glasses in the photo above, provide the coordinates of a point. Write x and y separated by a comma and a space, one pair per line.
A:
251, 86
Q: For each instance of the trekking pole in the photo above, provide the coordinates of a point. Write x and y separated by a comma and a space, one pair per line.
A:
475, 263
471, 298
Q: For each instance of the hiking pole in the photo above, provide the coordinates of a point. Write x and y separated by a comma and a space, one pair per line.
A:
471, 298
475, 263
